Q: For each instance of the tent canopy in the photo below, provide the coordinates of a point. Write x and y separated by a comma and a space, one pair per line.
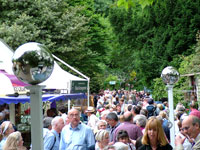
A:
59, 79
6, 57
49, 97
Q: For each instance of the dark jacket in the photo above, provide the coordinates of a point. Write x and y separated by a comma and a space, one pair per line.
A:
148, 147
151, 110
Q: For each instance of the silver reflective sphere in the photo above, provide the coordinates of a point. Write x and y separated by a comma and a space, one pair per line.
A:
170, 75
32, 63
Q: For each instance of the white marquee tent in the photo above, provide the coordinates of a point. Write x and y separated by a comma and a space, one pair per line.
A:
59, 79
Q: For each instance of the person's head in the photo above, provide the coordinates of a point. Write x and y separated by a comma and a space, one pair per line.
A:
129, 107
121, 101
128, 116
178, 115
160, 106
50, 113
118, 108
193, 105
90, 110
180, 108
104, 114
163, 114
62, 109
14, 141
112, 119
101, 124
74, 117
47, 122
191, 126
102, 137
154, 131
57, 124
6, 128
135, 110
140, 120
150, 101
144, 112
120, 146
165, 104
122, 136
109, 147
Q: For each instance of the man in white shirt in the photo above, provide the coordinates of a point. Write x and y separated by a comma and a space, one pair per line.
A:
190, 127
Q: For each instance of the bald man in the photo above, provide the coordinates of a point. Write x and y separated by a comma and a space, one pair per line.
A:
76, 135
133, 130
191, 128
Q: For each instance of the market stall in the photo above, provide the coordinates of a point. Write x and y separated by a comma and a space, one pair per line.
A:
20, 104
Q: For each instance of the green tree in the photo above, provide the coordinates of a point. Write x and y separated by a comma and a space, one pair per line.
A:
148, 42
70, 29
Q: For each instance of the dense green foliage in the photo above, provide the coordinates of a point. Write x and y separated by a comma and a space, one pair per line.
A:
148, 42
70, 29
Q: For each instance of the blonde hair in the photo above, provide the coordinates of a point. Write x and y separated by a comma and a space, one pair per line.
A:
163, 114
160, 106
12, 142
155, 124
3, 128
101, 135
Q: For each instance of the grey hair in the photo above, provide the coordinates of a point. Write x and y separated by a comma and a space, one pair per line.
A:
112, 116
100, 122
120, 146
195, 120
47, 122
55, 120
141, 120
109, 147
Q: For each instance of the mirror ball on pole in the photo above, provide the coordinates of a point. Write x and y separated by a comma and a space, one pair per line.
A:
33, 64
170, 76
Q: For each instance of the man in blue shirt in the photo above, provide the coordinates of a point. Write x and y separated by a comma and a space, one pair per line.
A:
52, 140
76, 135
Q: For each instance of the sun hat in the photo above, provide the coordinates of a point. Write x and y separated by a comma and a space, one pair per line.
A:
90, 109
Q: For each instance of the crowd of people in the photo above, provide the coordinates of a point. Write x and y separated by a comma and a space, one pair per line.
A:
118, 120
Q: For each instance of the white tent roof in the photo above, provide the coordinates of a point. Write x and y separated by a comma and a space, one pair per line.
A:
6, 54
60, 79
6, 85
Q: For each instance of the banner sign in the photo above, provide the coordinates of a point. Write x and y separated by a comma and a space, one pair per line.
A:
112, 82
79, 87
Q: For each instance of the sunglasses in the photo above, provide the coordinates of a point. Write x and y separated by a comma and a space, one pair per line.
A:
185, 128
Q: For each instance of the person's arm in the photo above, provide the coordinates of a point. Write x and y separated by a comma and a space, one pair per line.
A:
139, 132
179, 142
62, 141
49, 141
90, 138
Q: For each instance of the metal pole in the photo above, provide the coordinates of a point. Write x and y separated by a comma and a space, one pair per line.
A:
36, 117
88, 91
171, 114
12, 112
69, 103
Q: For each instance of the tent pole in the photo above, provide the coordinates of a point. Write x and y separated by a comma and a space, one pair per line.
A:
88, 79
68, 102
70, 67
